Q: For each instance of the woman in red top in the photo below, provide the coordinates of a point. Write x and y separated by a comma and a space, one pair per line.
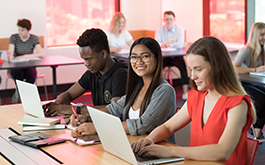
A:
218, 108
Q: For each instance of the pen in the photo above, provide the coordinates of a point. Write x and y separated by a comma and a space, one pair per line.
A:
73, 109
68, 122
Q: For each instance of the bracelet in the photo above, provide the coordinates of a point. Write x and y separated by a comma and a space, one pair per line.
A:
88, 117
255, 69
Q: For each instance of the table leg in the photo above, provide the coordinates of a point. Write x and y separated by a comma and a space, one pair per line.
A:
54, 82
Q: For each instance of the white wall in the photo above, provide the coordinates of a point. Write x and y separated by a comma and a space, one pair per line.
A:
188, 14
140, 15
35, 11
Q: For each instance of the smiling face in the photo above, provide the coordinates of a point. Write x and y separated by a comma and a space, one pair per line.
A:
200, 72
93, 61
262, 37
143, 69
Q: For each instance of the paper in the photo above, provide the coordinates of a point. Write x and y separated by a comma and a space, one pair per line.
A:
168, 49
257, 73
123, 51
71, 127
25, 60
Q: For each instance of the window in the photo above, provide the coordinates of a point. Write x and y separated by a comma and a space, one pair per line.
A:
259, 11
226, 20
67, 19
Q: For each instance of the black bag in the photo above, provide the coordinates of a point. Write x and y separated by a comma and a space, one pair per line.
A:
37, 139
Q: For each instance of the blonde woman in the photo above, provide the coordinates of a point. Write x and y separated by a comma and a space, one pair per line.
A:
251, 58
117, 35
218, 108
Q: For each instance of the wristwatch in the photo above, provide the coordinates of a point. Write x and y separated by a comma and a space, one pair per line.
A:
78, 107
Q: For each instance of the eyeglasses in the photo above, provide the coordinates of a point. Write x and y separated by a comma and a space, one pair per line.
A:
144, 58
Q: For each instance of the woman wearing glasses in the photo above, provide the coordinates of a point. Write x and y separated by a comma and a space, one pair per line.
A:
149, 99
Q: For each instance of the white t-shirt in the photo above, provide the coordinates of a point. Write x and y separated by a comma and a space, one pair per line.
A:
134, 114
114, 42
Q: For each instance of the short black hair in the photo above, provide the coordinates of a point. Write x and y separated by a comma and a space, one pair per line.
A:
169, 13
24, 23
96, 39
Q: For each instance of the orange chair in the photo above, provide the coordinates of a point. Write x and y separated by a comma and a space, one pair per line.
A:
252, 148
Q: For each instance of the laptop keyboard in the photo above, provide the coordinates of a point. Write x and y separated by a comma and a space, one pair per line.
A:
142, 159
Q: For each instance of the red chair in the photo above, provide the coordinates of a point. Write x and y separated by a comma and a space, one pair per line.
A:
252, 148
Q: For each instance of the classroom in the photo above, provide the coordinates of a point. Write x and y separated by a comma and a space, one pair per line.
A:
63, 65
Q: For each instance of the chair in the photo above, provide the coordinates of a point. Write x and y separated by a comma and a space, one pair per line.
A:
252, 148
168, 70
39, 75
182, 136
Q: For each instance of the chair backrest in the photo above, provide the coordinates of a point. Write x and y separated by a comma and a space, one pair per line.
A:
252, 148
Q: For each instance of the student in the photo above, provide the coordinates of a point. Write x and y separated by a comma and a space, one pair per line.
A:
21, 46
105, 78
172, 35
149, 99
117, 35
251, 58
218, 108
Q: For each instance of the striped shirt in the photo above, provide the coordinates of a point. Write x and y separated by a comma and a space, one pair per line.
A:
21, 47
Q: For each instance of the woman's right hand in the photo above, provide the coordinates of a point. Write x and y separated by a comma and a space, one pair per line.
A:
77, 121
138, 145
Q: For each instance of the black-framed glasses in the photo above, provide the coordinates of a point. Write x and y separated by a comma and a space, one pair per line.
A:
144, 58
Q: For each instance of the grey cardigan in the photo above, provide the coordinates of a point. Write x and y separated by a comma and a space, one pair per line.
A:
162, 106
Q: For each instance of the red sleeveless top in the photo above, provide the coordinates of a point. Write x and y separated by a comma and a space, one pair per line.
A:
213, 129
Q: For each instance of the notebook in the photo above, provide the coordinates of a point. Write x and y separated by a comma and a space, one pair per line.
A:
114, 139
257, 73
39, 121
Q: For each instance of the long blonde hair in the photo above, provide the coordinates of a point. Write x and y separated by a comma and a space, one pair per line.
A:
223, 74
115, 20
253, 44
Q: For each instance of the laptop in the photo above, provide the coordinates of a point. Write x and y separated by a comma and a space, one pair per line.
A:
114, 138
30, 99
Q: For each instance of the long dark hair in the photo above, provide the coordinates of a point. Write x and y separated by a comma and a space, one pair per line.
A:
135, 82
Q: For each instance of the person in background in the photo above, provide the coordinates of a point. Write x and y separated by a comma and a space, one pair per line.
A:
149, 99
22, 46
251, 58
105, 77
172, 35
117, 35
218, 108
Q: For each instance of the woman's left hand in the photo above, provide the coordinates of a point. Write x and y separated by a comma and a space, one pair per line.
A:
86, 129
159, 151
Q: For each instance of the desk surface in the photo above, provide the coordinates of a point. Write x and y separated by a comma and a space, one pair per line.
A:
93, 154
258, 80
177, 53
52, 60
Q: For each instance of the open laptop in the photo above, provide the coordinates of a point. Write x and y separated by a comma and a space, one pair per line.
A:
114, 138
30, 98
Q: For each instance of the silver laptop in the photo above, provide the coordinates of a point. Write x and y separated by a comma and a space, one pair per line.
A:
30, 98
114, 138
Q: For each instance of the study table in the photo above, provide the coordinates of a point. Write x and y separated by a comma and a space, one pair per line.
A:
166, 54
252, 79
52, 61
68, 152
